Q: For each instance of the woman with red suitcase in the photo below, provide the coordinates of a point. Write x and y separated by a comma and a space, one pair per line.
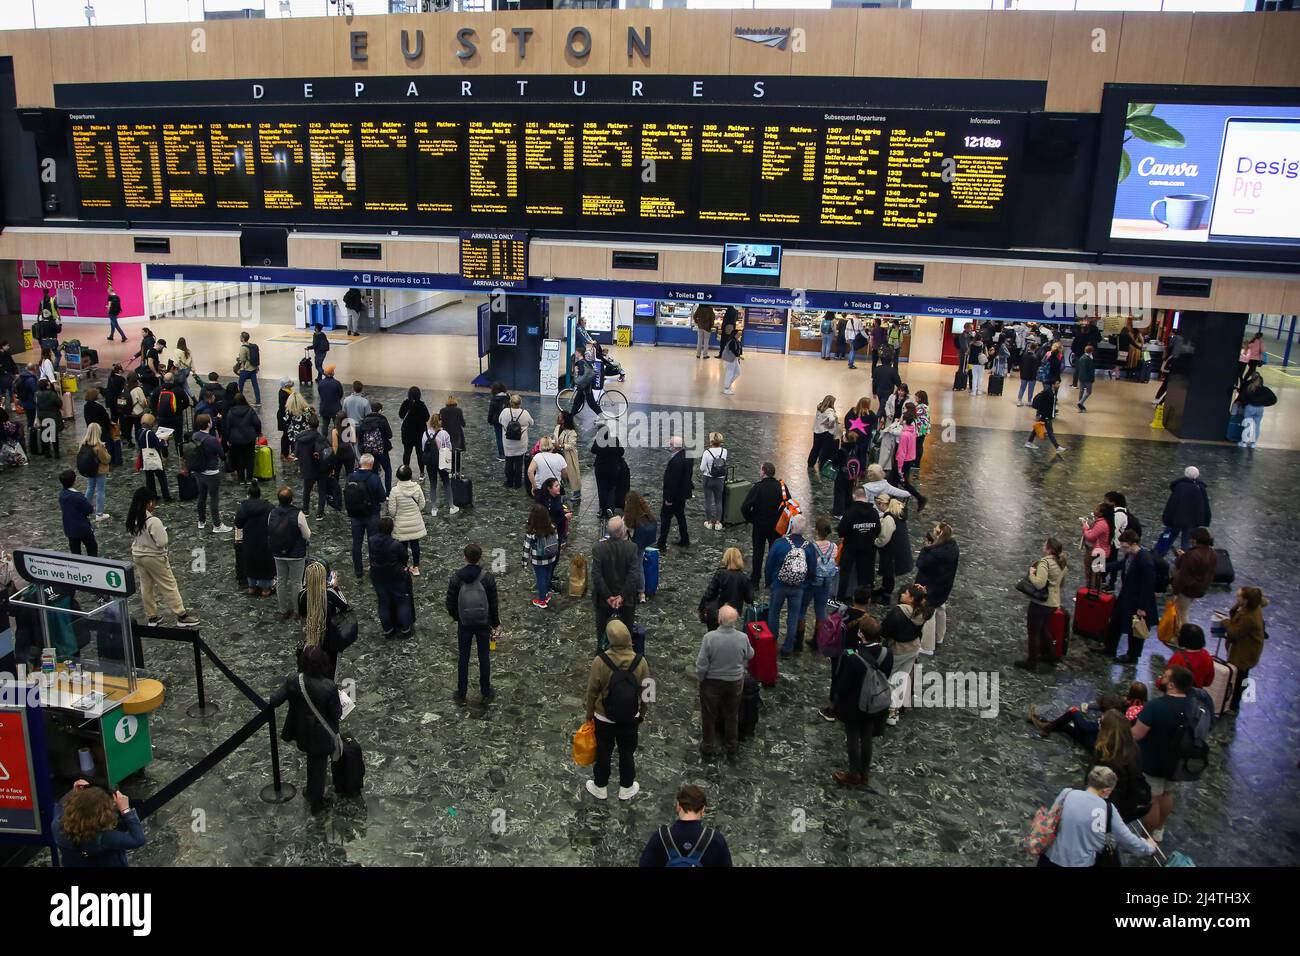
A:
1046, 573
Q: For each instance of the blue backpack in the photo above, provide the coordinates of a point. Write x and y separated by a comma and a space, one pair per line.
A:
1045, 369
676, 857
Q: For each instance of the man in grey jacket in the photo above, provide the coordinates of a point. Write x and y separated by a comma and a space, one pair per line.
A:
615, 579
720, 668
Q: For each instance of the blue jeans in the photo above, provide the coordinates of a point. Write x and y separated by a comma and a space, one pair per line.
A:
817, 595
501, 449
543, 572
465, 638
361, 527
792, 596
827, 338
1085, 392
1171, 533
95, 492
393, 597
247, 377
853, 351
1251, 416
1026, 384
114, 327
320, 365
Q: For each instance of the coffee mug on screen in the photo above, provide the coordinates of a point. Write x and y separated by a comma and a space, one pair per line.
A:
1182, 211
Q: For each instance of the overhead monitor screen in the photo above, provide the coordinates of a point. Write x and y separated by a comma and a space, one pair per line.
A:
749, 263
1202, 173
854, 174
493, 259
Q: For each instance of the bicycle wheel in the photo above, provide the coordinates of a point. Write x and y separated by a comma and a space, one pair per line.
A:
564, 399
613, 402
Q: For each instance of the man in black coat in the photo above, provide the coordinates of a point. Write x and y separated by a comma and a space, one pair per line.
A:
302, 727
884, 379
331, 399
1188, 508
616, 579
677, 488
761, 509
858, 530
1137, 596
320, 344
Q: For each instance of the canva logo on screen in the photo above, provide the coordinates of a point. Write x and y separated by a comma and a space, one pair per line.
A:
1257, 195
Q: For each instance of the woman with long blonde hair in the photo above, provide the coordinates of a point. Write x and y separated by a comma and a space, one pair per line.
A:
730, 584
99, 461
324, 610
826, 423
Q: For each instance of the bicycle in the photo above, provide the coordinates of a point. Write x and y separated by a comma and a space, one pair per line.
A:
613, 403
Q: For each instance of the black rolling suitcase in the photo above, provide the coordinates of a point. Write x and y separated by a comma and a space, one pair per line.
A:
350, 769
241, 575
1223, 570
187, 486
959, 381
995, 384
750, 702
462, 490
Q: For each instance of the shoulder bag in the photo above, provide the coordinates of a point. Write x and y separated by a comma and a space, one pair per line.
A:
338, 738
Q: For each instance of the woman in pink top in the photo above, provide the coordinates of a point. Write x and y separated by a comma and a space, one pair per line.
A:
1252, 356
1096, 541
905, 455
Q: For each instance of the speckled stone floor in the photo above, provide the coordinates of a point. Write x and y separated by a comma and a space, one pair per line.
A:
475, 785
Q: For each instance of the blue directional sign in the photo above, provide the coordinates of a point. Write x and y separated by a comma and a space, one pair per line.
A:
507, 335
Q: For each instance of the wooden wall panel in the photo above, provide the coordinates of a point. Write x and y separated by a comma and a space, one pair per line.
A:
659, 25
757, 59
702, 42
991, 282
1232, 294
90, 247
537, 48
309, 252
854, 275
395, 64
597, 61
49, 245
952, 43
941, 278
376, 30
1153, 47
1018, 45
215, 58
1224, 48
579, 262
117, 54
259, 48
1077, 75
1279, 50
690, 265
72, 53
449, 258
888, 44
1033, 285
219, 250
1290, 298
163, 49
539, 259
449, 24
831, 37
33, 75
412, 255
809, 272
303, 43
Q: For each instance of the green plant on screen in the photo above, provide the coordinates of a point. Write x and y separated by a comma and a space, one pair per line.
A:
1143, 124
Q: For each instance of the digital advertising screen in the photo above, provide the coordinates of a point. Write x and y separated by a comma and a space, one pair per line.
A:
1225, 175
855, 174
749, 263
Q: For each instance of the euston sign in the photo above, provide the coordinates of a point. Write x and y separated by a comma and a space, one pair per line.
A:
71, 570
577, 44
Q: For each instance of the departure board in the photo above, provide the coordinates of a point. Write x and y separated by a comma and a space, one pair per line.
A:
494, 260
852, 174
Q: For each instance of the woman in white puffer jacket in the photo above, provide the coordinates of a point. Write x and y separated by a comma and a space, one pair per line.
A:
406, 508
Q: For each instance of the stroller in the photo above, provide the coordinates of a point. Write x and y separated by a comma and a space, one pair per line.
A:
607, 365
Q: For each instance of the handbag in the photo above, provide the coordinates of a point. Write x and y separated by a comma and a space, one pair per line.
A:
584, 744
150, 460
1042, 832
1108, 855
1027, 587
115, 431
1167, 629
1139, 627
1040, 430
338, 738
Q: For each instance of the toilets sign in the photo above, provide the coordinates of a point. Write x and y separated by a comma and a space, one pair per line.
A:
113, 578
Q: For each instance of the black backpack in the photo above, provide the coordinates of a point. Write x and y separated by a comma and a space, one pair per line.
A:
717, 464
356, 500
87, 462
623, 695
193, 455
254, 355
514, 431
282, 532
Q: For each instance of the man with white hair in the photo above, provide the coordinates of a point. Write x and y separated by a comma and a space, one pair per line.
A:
363, 495
1187, 509
720, 668
615, 579
678, 486
1084, 828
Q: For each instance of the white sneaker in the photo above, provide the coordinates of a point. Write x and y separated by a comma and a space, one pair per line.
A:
104, 517
202, 525
222, 529
627, 793
433, 512
892, 719
600, 793
453, 510
1020, 404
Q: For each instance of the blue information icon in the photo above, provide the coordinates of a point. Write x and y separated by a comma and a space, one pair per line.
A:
507, 335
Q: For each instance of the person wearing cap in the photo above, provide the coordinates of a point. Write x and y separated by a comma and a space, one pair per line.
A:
1187, 509
331, 399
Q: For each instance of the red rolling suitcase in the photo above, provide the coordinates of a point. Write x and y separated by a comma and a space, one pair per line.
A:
1092, 610
763, 664
1058, 628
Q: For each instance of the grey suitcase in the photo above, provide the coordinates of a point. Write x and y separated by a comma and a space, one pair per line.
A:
734, 493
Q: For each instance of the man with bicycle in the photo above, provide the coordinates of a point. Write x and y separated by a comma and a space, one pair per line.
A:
584, 380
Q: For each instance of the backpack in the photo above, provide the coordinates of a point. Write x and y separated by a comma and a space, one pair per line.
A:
372, 440
623, 695
826, 566
356, 500
853, 470
431, 454
514, 431
1044, 374
254, 355
736, 348
87, 462
827, 326
676, 857
1191, 743
193, 455
877, 692
167, 403
794, 567
282, 534
472, 603
789, 509
717, 465
547, 548
830, 635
